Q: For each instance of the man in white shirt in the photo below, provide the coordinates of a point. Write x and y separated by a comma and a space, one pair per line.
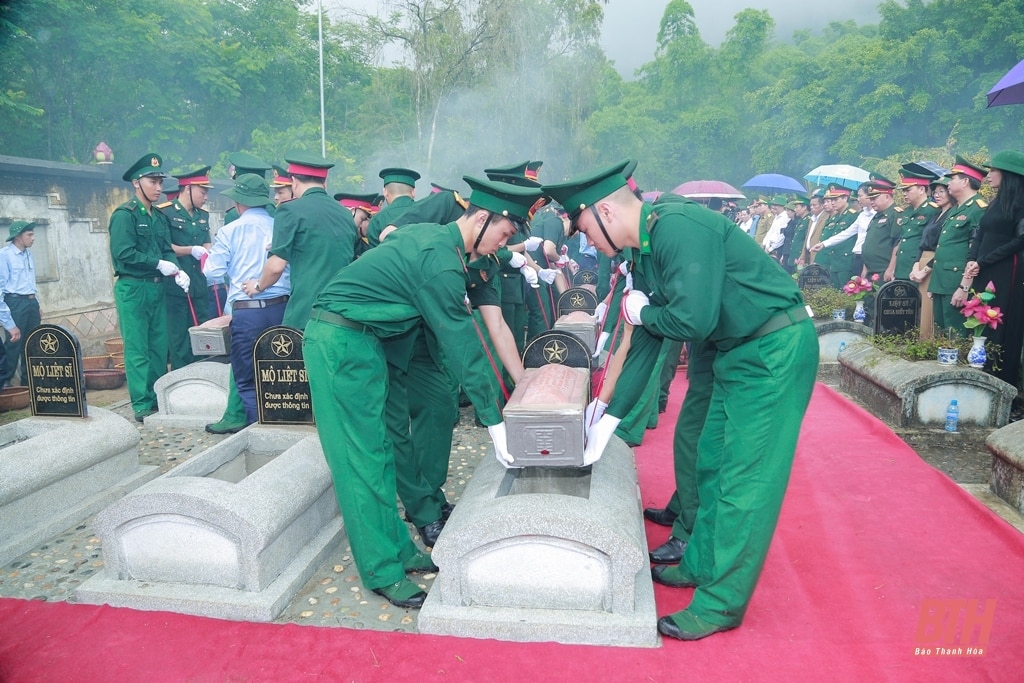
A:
18, 286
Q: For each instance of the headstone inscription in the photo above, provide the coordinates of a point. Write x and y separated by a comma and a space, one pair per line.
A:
54, 360
282, 387
897, 307
814, 277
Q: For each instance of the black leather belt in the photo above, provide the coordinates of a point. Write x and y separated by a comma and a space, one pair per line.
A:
335, 319
258, 303
781, 320
159, 278
20, 296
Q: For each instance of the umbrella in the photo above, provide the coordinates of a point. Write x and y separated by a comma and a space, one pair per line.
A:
651, 196
708, 189
1009, 89
926, 167
848, 176
774, 182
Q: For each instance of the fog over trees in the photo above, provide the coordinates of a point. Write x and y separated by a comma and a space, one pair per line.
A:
483, 82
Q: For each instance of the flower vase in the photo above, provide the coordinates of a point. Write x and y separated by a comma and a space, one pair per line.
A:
948, 355
859, 315
976, 357
839, 314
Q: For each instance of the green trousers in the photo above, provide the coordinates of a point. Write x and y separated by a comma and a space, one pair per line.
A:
515, 316
179, 319
143, 321
644, 414
540, 305
348, 381
692, 415
947, 316
422, 405
234, 413
744, 457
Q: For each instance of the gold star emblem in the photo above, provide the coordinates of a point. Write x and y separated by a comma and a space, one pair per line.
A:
900, 291
588, 277
48, 343
576, 301
555, 351
281, 345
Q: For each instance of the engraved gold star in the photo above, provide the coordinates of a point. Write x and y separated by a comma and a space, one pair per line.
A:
48, 343
555, 352
281, 346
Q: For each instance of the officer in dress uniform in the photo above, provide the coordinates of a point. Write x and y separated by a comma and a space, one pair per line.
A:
416, 276
883, 232
399, 194
281, 186
912, 220
838, 237
949, 284
190, 238
764, 372
141, 253
363, 208
313, 235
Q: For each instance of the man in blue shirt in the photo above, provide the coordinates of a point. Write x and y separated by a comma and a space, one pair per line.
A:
18, 285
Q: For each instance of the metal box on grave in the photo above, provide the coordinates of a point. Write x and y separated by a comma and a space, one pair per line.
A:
544, 416
212, 338
575, 310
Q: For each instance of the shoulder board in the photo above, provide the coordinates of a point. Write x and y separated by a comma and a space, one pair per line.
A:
460, 201
851, 210
164, 205
981, 202
933, 205
899, 209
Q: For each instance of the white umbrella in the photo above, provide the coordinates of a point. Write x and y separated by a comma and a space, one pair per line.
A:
848, 176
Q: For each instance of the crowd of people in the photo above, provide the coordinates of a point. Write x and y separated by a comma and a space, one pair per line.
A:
404, 302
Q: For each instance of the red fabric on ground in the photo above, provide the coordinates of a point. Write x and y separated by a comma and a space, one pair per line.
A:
867, 532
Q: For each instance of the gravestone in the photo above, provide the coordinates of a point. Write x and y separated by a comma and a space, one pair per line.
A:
576, 299
814, 277
897, 307
554, 347
282, 387
55, 383
584, 277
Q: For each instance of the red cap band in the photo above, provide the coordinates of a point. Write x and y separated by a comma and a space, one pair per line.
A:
632, 184
194, 180
299, 169
356, 204
923, 182
967, 171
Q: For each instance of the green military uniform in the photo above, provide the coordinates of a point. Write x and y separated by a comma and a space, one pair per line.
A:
315, 235
764, 372
958, 230
542, 305
139, 238
396, 207
799, 237
882, 234
839, 257
187, 230
415, 277
911, 223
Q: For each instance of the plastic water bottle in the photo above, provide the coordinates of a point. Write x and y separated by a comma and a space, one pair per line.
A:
842, 346
952, 416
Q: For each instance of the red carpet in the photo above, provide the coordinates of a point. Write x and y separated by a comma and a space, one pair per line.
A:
868, 533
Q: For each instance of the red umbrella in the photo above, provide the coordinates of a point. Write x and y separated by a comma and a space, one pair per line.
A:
708, 189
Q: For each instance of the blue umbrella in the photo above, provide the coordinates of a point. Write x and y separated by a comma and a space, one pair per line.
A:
774, 182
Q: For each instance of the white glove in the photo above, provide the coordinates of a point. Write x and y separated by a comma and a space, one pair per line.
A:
599, 436
548, 275
629, 281
593, 413
632, 304
601, 341
599, 312
533, 242
530, 275
562, 260
198, 252
181, 279
517, 260
497, 433
623, 268
166, 268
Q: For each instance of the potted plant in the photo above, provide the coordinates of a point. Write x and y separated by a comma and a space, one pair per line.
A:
980, 312
857, 288
827, 303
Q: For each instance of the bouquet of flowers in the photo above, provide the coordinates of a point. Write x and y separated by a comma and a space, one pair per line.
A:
858, 287
979, 310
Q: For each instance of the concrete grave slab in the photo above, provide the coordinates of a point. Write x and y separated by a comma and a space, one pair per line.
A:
542, 554
55, 471
191, 397
233, 533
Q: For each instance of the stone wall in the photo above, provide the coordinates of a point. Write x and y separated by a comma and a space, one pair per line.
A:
71, 205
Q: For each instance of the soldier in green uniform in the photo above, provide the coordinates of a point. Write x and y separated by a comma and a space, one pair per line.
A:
541, 306
949, 285
363, 208
399, 195
242, 163
312, 233
190, 239
799, 225
911, 221
879, 250
140, 251
417, 276
838, 237
696, 279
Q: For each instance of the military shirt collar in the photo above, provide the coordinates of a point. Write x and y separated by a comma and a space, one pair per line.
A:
648, 218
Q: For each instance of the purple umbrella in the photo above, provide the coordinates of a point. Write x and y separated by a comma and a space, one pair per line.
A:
707, 189
1009, 89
